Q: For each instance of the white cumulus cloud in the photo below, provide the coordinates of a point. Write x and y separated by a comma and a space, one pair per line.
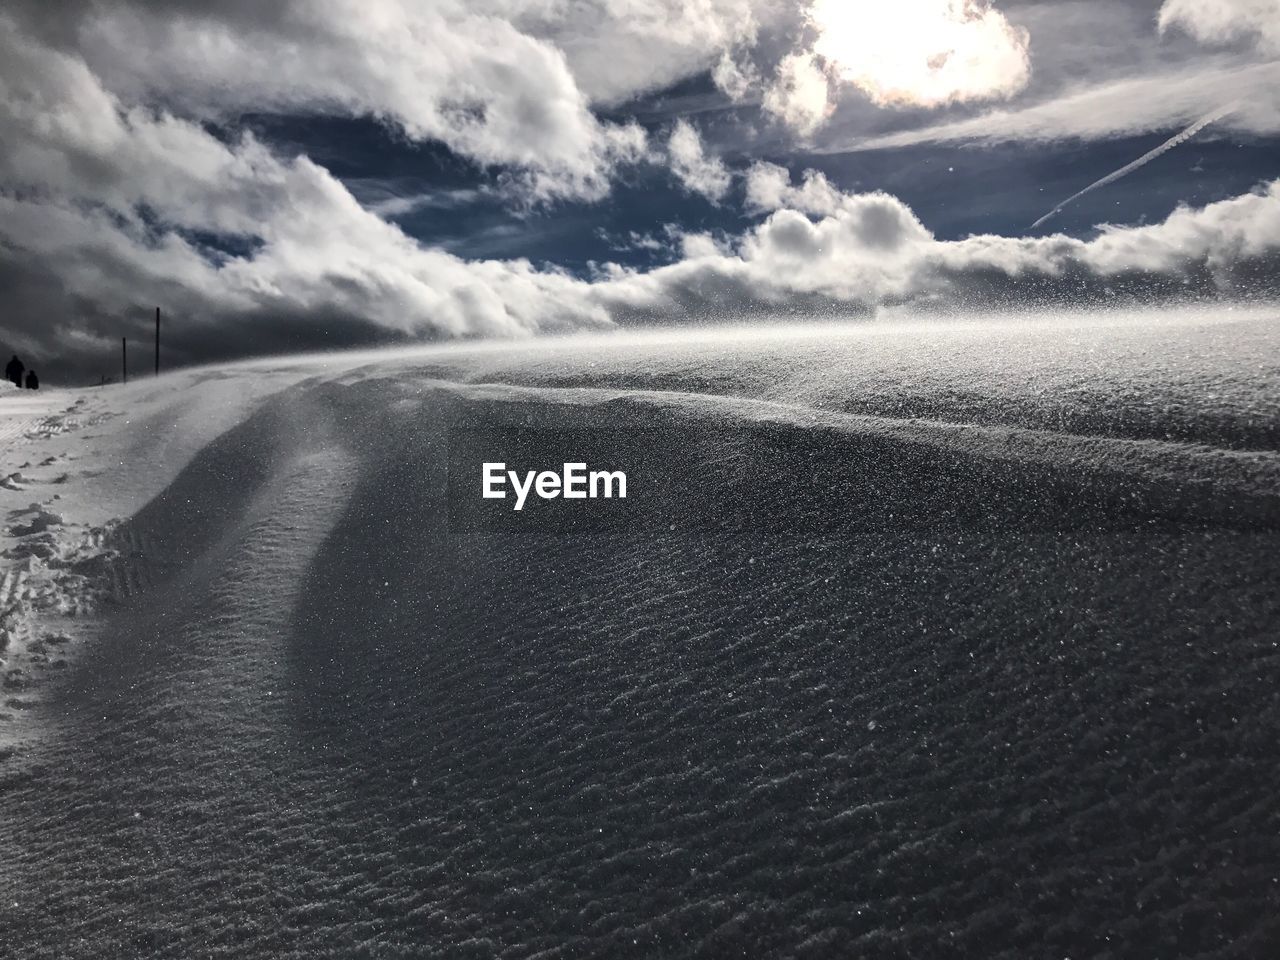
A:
769, 188
697, 172
824, 250
510, 84
799, 95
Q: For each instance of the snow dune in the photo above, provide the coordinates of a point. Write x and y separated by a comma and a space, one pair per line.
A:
957, 639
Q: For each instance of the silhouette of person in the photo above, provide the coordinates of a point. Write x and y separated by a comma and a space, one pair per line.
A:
14, 371
33, 382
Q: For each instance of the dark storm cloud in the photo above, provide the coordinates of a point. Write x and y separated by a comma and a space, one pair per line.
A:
73, 340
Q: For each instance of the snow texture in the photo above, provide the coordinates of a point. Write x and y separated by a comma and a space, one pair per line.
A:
952, 640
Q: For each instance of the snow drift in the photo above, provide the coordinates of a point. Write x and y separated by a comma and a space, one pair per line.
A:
960, 642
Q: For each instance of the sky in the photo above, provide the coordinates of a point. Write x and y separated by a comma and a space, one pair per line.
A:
316, 174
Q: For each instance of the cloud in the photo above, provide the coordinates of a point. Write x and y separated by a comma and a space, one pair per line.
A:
439, 71
1116, 108
383, 200
634, 240
869, 250
734, 77
121, 206
916, 53
697, 172
1224, 21
768, 188
922, 52
115, 194
618, 49
799, 94
109, 209
695, 246
509, 84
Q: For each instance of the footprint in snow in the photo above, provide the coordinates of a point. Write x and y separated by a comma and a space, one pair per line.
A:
40, 522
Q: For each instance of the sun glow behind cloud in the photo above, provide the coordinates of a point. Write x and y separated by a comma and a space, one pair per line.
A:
922, 52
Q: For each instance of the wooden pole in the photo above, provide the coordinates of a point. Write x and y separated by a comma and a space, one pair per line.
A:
124, 360
157, 341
